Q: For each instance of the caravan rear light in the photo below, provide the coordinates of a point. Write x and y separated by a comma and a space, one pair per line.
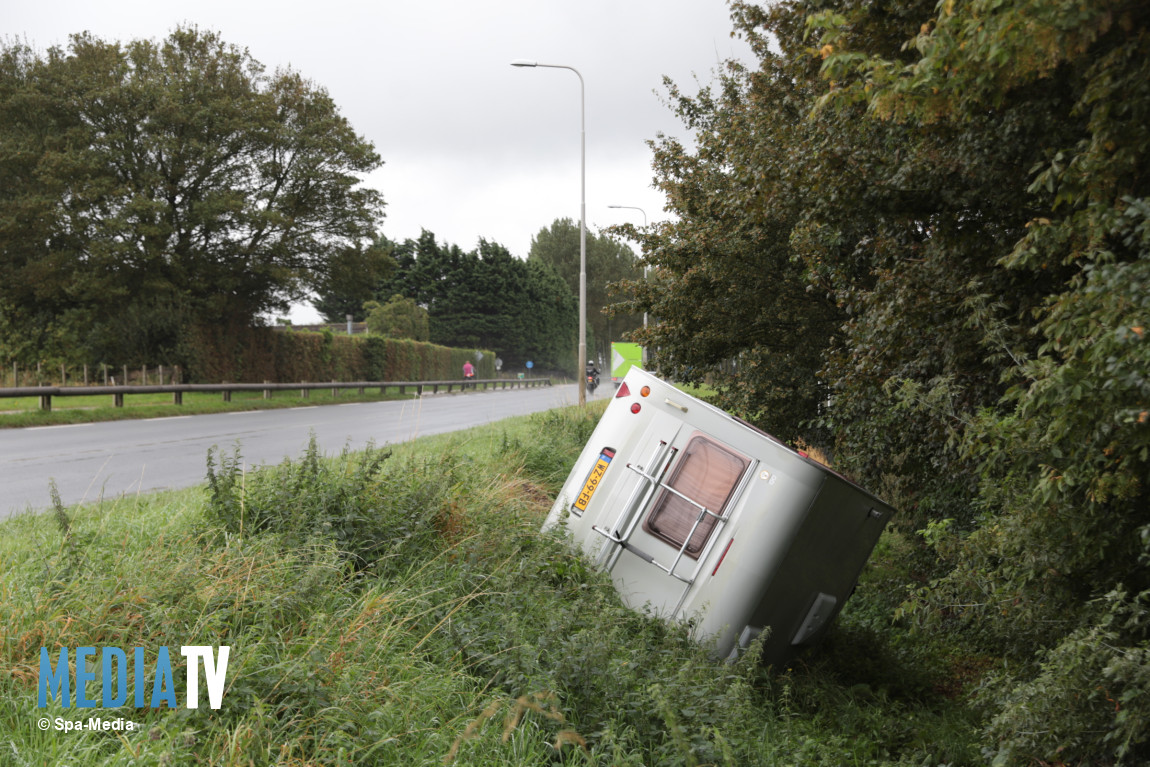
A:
635, 408
645, 391
623, 391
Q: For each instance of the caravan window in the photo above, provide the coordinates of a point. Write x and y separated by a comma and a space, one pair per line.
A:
708, 474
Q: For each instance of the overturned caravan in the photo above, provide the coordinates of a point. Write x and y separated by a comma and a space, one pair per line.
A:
700, 517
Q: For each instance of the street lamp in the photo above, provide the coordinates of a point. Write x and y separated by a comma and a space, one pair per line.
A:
582, 220
632, 207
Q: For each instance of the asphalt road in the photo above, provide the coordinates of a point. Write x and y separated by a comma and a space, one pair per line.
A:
90, 461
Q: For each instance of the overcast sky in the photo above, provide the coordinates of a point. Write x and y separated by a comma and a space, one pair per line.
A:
472, 147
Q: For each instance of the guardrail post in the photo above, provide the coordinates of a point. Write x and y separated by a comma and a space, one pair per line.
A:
177, 398
45, 401
334, 392
118, 399
267, 392
227, 395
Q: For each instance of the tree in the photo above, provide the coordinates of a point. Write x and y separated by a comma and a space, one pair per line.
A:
959, 189
349, 279
399, 318
488, 299
176, 172
1064, 454
728, 299
608, 262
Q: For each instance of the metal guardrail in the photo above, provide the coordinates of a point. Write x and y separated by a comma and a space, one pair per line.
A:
46, 393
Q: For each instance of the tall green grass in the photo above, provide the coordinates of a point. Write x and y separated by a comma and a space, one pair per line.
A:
402, 607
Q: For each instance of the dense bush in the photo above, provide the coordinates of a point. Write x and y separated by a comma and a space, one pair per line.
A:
920, 231
375, 514
265, 354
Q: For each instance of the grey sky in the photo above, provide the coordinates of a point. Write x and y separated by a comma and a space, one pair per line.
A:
472, 146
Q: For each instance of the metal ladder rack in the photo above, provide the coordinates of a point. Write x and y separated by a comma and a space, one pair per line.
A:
632, 512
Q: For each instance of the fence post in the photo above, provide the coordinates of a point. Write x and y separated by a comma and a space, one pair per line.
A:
125, 375
63, 375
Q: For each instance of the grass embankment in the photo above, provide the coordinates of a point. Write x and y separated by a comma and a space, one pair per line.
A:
405, 609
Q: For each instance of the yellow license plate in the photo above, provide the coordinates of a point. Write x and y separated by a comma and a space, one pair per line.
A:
593, 479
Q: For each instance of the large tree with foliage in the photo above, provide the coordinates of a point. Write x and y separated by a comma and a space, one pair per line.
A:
177, 174
350, 279
1058, 561
960, 190
487, 298
609, 261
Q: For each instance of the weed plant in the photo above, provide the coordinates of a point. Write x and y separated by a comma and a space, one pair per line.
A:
403, 608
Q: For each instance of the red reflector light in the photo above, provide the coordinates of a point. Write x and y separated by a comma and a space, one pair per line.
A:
722, 557
623, 391
636, 408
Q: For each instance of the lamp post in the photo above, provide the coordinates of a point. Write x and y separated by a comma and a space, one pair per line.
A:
582, 220
632, 207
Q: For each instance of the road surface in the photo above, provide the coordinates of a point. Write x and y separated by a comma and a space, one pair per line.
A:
90, 461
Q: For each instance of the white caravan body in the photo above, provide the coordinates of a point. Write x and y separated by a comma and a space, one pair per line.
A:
700, 517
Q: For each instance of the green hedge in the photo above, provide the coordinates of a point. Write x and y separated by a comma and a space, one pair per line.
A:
265, 354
